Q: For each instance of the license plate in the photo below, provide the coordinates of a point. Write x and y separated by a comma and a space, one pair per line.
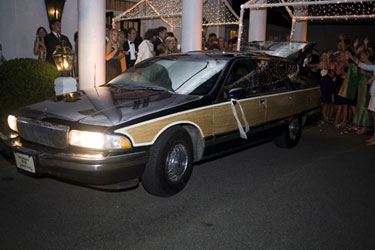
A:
25, 162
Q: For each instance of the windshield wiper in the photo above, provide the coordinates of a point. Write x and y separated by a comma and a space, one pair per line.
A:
147, 88
156, 88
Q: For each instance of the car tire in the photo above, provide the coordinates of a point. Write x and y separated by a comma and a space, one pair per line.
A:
290, 135
170, 163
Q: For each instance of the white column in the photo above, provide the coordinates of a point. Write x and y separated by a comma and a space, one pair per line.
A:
300, 31
91, 43
258, 24
300, 27
192, 14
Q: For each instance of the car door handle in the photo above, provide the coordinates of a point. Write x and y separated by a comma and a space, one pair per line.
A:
290, 97
262, 102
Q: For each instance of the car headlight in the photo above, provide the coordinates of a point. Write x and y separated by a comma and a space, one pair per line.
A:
96, 140
12, 122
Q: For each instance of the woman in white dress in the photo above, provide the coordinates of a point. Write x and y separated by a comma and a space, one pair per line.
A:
146, 48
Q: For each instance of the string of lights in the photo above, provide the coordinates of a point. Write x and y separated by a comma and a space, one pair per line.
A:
320, 9
215, 12
312, 10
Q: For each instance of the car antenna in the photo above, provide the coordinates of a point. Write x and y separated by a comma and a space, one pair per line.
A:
95, 75
96, 90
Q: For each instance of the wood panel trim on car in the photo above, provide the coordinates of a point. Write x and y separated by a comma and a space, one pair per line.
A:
146, 133
210, 120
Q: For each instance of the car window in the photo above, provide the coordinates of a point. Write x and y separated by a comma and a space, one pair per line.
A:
206, 86
304, 79
271, 79
241, 75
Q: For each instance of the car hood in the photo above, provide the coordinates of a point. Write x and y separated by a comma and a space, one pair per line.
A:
105, 106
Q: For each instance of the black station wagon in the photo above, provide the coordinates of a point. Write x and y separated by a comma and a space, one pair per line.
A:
152, 122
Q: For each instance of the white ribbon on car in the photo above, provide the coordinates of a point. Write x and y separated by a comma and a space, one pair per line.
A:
240, 128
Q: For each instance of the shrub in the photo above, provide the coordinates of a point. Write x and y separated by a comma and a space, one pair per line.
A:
22, 82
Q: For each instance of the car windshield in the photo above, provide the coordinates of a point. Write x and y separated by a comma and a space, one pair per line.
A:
182, 74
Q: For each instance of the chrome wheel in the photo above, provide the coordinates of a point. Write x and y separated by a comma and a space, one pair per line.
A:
176, 162
290, 134
293, 129
170, 164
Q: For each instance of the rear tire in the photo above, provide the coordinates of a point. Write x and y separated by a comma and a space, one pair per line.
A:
290, 135
170, 164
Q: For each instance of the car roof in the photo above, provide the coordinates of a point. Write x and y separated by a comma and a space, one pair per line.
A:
228, 55
285, 51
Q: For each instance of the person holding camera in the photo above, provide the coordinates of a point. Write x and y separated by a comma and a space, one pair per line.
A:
40, 49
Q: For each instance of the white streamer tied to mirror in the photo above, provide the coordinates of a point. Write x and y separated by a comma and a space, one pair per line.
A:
240, 128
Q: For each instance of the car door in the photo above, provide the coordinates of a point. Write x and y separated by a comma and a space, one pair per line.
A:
239, 92
279, 100
307, 94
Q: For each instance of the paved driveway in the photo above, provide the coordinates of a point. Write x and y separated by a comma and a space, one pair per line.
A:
319, 195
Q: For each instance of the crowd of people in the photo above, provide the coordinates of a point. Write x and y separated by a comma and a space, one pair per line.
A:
124, 48
219, 43
347, 81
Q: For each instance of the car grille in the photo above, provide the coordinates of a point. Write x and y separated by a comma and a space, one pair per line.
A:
45, 133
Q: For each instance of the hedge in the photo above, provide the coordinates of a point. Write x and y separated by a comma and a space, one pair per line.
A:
22, 82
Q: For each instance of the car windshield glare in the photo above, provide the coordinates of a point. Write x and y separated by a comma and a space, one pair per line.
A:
181, 74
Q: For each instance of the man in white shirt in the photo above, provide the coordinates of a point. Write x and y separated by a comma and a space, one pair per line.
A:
130, 47
55, 38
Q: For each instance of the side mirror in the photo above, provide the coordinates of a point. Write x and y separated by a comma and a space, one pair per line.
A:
237, 93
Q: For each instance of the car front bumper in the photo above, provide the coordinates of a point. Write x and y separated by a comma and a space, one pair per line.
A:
83, 168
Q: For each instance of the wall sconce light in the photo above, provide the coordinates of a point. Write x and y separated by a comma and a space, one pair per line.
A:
54, 9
